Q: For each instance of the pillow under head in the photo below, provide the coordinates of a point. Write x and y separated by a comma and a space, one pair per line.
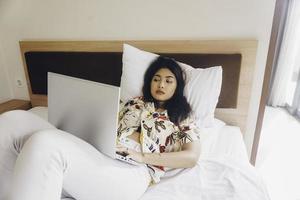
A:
202, 87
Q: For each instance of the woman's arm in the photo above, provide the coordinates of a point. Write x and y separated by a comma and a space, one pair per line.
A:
135, 136
185, 158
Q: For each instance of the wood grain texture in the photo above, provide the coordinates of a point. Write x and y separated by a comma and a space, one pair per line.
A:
15, 104
247, 48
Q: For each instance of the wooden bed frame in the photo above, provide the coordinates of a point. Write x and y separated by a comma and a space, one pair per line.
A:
236, 116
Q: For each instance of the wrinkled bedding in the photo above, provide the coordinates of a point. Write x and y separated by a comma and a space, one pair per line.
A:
222, 172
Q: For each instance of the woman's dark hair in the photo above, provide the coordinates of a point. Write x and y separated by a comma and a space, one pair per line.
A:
178, 108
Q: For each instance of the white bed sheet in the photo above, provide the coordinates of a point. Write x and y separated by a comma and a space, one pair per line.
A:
222, 172
40, 111
218, 141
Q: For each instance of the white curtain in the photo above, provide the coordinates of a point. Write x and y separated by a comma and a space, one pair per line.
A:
295, 108
287, 69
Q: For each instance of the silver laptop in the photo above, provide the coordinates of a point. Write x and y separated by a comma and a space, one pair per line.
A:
86, 109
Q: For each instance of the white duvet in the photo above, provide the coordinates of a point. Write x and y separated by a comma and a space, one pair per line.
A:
211, 180
223, 171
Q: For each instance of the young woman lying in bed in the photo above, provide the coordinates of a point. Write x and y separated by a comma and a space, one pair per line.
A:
53, 162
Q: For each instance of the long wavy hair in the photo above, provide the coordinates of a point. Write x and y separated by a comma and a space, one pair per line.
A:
177, 106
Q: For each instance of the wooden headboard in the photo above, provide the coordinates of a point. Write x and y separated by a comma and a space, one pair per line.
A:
102, 61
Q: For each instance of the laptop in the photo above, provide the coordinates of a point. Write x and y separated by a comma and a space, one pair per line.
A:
88, 110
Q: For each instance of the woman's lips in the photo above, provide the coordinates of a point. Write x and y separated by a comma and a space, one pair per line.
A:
160, 92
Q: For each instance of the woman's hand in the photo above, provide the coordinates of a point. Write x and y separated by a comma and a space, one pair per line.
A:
186, 158
134, 155
135, 136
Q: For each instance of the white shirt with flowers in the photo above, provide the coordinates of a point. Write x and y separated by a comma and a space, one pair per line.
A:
157, 133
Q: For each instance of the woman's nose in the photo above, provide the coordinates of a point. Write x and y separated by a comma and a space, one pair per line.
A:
161, 84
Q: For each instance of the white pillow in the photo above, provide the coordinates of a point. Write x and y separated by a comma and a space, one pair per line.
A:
202, 87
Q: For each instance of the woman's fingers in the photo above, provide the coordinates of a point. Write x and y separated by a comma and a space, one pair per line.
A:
121, 149
119, 146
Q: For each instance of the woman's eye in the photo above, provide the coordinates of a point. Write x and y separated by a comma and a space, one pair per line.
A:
169, 81
155, 80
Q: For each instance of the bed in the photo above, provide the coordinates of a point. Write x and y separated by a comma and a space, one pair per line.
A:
223, 170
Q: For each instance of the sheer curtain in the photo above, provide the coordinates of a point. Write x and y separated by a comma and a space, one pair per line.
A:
294, 107
285, 90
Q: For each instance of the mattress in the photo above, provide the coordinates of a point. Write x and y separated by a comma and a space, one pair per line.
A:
218, 141
222, 172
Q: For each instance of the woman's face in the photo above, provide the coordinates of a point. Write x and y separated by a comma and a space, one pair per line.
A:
163, 85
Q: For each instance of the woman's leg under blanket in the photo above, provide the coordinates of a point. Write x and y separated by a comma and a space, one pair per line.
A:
54, 159
15, 128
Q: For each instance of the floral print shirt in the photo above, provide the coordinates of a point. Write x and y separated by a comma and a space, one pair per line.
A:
157, 133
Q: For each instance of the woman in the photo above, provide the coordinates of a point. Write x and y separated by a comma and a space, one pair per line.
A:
53, 162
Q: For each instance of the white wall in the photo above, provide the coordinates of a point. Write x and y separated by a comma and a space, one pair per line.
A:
5, 88
135, 19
